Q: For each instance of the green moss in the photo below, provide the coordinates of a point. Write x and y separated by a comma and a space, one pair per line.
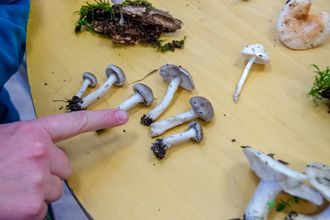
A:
145, 3
170, 46
321, 87
87, 13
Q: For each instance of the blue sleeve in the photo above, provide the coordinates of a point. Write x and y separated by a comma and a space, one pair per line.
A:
13, 20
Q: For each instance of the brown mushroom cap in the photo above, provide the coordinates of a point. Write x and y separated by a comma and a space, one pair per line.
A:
299, 30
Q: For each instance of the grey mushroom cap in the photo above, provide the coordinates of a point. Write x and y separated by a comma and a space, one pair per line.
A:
117, 1
257, 50
91, 77
169, 71
145, 92
202, 107
113, 69
199, 130
318, 175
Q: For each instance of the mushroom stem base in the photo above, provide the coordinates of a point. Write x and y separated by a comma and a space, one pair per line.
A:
265, 193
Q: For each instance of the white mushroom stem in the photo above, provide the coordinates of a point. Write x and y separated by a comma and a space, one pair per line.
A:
121, 21
258, 208
158, 128
83, 88
322, 216
159, 109
170, 140
131, 102
243, 78
88, 99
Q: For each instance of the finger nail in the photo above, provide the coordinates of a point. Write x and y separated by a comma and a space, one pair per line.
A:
121, 115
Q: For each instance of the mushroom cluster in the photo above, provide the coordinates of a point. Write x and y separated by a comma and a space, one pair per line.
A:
201, 107
174, 75
275, 176
115, 76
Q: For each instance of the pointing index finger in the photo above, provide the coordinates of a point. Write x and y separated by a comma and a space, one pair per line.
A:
64, 126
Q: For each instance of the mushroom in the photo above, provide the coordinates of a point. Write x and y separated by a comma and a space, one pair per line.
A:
274, 177
119, 2
177, 76
89, 80
142, 94
201, 107
255, 53
115, 76
195, 132
319, 176
299, 30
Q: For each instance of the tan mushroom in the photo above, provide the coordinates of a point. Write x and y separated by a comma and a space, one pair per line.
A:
299, 30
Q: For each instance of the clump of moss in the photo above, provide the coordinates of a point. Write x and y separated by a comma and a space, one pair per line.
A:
146, 27
144, 3
321, 87
170, 46
101, 10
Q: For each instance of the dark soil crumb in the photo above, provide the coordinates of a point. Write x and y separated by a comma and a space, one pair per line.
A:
233, 140
292, 215
60, 108
283, 162
100, 131
73, 104
146, 120
159, 149
124, 130
45, 84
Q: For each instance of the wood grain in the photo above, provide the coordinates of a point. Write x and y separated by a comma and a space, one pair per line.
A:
115, 174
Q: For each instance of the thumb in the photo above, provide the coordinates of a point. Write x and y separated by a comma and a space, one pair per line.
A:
64, 126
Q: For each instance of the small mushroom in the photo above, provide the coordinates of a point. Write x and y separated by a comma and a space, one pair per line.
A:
195, 132
89, 80
115, 76
201, 107
274, 177
119, 2
176, 76
299, 30
318, 175
142, 94
255, 53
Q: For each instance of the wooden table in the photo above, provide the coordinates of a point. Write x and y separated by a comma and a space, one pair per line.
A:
116, 175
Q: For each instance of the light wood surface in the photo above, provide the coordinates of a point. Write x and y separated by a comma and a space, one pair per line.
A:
115, 174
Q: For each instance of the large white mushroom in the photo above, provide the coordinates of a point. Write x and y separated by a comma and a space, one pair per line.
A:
319, 176
274, 177
299, 30
255, 53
